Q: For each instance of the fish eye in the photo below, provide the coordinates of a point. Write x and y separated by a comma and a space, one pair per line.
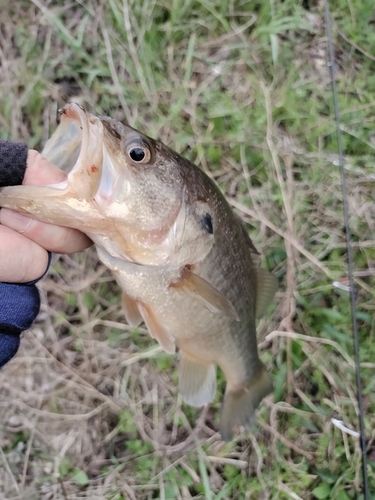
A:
206, 222
138, 152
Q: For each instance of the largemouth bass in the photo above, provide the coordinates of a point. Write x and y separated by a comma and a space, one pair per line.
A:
183, 259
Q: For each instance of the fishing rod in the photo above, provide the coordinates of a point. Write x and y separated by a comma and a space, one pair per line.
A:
344, 190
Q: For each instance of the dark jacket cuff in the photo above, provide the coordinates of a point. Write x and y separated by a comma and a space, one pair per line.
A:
20, 304
13, 161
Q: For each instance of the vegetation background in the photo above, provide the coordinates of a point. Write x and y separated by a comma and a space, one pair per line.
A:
89, 408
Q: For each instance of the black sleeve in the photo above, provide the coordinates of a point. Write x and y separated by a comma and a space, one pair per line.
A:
19, 303
13, 159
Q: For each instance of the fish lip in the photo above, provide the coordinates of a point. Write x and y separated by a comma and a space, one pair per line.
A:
92, 139
73, 111
90, 157
76, 112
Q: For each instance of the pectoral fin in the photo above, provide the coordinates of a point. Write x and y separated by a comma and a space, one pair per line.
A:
197, 381
131, 311
156, 330
266, 288
202, 291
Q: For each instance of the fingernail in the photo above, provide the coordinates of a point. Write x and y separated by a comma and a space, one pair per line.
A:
14, 220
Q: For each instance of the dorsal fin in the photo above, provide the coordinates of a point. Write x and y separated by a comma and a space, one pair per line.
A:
246, 236
266, 288
266, 282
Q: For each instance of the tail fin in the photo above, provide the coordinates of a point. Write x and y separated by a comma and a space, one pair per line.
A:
240, 405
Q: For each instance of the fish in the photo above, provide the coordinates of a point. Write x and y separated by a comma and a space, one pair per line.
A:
183, 259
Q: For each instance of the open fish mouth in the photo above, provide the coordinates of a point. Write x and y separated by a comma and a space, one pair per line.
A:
74, 139
79, 148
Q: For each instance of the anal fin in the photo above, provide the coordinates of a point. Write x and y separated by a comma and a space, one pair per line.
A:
197, 381
202, 291
156, 330
131, 311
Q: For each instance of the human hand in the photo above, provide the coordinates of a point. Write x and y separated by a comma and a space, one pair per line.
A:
24, 241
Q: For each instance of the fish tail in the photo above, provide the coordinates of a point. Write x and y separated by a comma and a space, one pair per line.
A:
240, 404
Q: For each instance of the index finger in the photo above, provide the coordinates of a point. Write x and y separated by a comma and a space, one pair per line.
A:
57, 239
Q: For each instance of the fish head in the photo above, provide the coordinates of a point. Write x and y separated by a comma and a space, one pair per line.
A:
139, 185
145, 193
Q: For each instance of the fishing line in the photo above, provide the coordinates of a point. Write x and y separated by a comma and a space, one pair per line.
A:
344, 190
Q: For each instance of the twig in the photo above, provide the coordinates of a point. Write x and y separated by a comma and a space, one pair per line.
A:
142, 355
257, 216
133, 50
308, 338
283, 439
9, 470
353, 44
114, 406
114, 75
286, 193
28, 451
240, 464
283, 487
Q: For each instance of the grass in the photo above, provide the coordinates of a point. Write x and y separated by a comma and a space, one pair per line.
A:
89, 408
